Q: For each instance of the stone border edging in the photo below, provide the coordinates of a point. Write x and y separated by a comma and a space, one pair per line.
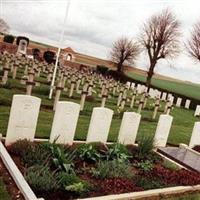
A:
172, 161
16, 175
147, 194
185, 146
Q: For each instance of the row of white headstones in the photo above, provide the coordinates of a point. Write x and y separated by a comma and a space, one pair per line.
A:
25, 110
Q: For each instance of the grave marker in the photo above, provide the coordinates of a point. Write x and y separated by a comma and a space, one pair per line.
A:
162, 130
129, 128
99, 125
178, 102
187, 104
65, 122
195, 138
23, 126
197, 111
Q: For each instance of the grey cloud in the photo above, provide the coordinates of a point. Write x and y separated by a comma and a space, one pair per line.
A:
93, 25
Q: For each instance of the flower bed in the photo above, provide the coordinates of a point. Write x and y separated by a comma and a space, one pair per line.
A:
87, 170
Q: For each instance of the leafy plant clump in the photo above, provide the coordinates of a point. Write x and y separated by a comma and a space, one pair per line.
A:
117, 152
72, 183
88, 153
41, 178
111, 169
145, 165
62, 159
145, 146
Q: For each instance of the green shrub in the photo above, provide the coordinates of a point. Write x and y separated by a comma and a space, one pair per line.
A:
111, 169
49, 56
145, 146
154, 157
62, 159
101, 69
88, 153
73, 183
148, 183
68, 179
145, 165
79, 188
117, 152
19, 146
29, 152
9, 38
40, 178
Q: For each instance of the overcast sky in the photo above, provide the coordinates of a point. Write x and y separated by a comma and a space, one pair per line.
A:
93, 25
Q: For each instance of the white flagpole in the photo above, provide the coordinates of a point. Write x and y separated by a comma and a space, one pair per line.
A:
1, 9
59, 49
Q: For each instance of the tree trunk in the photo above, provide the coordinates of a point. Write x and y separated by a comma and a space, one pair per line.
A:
149, 75
148, 82
119, 67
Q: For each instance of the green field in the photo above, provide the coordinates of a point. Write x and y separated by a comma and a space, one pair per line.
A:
185, 197
184, 88
3, 192
180, 132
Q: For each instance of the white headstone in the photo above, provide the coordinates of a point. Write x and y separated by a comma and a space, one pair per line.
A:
99, 125
162, 130
164, 95
197, 111
23, 118
64, 122
178, 102
171, 98
158, 93
133, 85
152, 93
129, 128
195, 138
187, 104
140, 89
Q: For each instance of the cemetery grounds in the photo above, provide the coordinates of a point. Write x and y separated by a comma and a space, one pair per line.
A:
180, 132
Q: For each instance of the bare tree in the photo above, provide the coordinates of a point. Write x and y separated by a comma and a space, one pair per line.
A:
124, 51
160, 39
4, 28
193, 45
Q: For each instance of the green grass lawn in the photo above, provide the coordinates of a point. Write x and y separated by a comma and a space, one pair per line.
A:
185, 197
187, 89
3, 192
180, 132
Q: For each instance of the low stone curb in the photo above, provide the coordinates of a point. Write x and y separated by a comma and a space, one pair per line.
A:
148, 195
185, 146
